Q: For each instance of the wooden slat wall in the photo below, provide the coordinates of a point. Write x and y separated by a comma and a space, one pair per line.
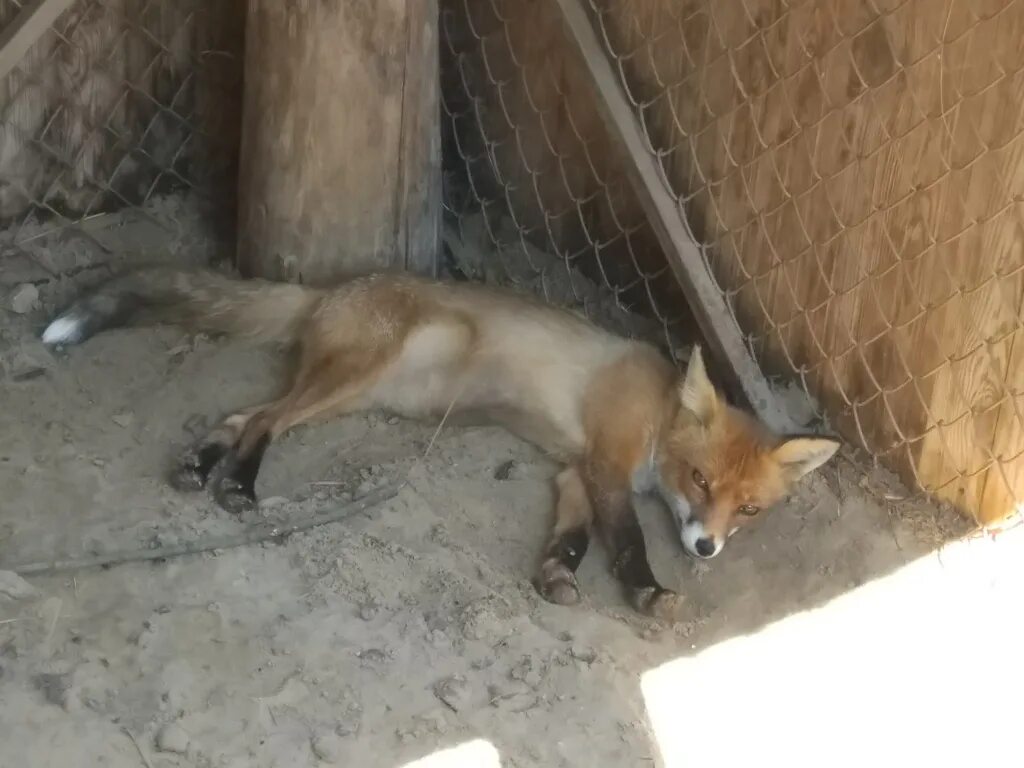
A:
858, 168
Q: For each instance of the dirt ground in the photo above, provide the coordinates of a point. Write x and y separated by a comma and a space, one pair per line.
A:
403, 629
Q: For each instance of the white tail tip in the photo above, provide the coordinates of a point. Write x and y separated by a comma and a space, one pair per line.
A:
66, 329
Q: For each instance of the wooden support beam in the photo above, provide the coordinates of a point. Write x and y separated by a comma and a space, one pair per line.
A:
717, 323
28, 26
341, 151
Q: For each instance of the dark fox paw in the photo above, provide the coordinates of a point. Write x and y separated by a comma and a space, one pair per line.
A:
233, 497
557, 584
194, 466
187, 474
661, 604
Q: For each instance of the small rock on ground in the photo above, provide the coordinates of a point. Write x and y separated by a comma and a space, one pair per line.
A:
454, 692
24, 299
328, 746
583, 653
15, 587
123, 420
172, 738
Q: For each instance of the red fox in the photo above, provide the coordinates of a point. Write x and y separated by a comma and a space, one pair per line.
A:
614, 411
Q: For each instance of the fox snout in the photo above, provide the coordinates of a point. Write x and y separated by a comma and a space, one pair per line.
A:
698, 541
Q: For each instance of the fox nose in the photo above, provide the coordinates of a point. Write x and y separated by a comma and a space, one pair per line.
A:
705, 546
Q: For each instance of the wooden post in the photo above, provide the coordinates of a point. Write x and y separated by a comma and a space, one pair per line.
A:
340, 159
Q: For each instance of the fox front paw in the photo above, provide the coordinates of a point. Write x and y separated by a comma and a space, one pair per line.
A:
661, 604
194, 465
232, 497
557, 584
187, 474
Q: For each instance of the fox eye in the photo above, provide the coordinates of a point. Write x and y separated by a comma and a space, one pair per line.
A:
698, 478
748, 509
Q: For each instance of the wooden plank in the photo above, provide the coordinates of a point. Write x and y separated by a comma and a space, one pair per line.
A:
716, 322
32, 21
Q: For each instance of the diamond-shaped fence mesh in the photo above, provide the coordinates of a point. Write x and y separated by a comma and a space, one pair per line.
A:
531, 198
852, 173
118, 101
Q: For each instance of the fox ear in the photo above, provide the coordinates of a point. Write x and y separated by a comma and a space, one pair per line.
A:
697, 393
801, 455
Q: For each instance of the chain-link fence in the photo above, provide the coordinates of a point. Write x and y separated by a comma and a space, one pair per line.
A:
529, 198
852, 173
116, 102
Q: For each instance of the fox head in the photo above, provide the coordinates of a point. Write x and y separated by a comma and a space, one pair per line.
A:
719, 468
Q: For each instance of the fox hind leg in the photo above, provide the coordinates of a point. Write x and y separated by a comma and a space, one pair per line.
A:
330, 386
196, 463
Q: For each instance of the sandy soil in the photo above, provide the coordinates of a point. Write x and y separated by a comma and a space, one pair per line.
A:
405, 628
